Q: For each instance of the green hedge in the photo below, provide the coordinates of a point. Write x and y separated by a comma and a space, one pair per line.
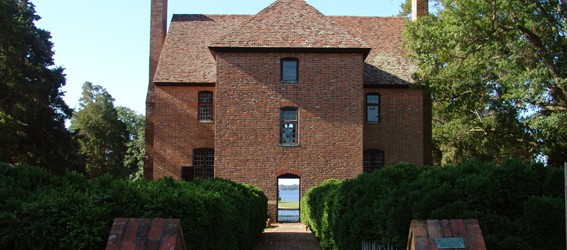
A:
519, 206
42, 211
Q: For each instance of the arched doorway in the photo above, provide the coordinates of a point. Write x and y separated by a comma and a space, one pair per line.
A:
289, 187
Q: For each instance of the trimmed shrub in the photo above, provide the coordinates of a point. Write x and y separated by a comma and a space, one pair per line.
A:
519, 206
315, 207
42, 211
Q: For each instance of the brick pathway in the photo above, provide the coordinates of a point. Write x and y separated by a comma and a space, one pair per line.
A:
287, 236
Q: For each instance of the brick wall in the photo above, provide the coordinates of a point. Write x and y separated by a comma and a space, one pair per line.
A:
177, 129
332, 130
404, 129
143, 233
423, 234
249, 96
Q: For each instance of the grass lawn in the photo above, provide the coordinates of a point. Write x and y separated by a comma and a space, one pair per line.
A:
288, 204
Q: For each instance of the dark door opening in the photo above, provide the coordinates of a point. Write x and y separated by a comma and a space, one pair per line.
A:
288, 198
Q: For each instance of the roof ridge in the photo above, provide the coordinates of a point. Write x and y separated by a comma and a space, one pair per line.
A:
289, 23
201, 17
275, 3
383, 17
200, 14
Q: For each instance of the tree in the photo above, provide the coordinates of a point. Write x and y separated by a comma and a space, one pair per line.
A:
32, 110
102, 136
134, 158
498, 76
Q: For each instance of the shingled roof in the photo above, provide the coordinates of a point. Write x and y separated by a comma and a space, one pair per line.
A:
186, 57
386, 64
289, 24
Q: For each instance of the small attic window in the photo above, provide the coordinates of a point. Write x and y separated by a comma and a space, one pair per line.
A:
289, 70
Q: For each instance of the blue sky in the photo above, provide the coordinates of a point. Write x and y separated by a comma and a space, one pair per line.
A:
106, 42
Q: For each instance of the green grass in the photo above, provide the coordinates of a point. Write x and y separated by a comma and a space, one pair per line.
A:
288, 204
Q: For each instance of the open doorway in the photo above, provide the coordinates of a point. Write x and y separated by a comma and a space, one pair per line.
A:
288, 198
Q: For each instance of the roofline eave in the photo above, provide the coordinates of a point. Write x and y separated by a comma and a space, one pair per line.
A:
185, 83
364, 51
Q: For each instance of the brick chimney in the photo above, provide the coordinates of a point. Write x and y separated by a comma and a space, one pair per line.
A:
419, 8
158, 31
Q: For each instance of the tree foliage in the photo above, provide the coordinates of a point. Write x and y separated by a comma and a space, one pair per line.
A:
32, 111
134, 158
497, 71
102, 136
41, 211
378, 207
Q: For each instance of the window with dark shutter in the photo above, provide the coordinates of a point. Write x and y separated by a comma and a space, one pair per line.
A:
187, 173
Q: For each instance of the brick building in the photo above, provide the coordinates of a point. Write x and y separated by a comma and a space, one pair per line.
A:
286, 92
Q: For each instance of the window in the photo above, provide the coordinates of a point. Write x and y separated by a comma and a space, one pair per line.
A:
289, 70
203, 162
205, 106
288, 126
373, 159
372, 108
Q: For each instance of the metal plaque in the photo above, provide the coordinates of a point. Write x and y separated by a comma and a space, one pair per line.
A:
449, 243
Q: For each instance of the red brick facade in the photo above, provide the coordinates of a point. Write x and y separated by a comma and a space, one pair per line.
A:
249, 97
335, 72
404, 130
178, 130
457, 234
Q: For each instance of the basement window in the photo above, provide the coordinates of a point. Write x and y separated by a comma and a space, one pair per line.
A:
203, 163
373, 159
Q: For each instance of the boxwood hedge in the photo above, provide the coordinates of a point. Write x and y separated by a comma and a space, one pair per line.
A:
42, 211
519, 206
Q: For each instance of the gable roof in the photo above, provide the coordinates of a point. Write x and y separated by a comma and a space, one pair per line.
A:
186, 57
289, 24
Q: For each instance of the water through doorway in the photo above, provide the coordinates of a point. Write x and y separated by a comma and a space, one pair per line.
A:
288, 198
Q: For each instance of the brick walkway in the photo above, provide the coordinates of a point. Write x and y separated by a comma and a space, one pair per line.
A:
288, 236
